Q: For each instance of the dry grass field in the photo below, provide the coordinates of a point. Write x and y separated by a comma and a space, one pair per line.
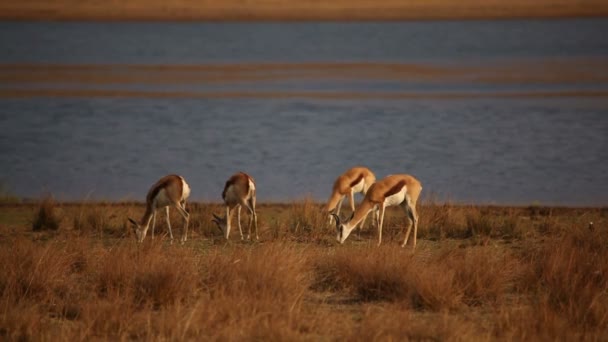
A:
73, 271
287, 10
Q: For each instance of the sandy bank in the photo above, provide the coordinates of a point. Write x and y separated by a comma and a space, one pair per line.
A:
297, 10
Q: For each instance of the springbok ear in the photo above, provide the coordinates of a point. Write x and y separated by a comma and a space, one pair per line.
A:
132, 221
216, 217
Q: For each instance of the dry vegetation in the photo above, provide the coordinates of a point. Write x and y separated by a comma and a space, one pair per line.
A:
478, 273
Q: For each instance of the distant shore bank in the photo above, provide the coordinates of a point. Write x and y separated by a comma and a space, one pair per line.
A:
341, 10
243, 80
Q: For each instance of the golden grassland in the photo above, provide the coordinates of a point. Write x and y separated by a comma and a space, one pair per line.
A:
296, 10
73, 271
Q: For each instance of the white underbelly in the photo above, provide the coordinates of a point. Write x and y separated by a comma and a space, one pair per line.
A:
359, 186
162, 200
231, 198
396, 199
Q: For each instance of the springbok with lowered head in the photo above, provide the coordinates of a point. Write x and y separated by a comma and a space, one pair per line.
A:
171, 190
402, 190
354, 180
238, 191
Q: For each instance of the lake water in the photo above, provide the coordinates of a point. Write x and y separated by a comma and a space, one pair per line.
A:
500, 112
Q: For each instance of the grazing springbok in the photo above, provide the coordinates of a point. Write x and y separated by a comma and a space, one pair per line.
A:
238, 191
402, 190
354, 180
171, 190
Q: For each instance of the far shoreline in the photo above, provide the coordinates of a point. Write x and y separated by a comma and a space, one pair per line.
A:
295, 11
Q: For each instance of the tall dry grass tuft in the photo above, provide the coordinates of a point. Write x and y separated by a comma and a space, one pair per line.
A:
150, 274
480, 226
456, 277
433, 287
32, 272
115, 269
537, 322
445, 221
115, 319
550, 225
465, 222
509, 227
574, 274
250, 291
434, 218
388, 274
36, 280
165, 277
566, 282
395, 323
485, 275
200, 219
439, 219
129, 283
101, 219
46, 217
247, 270
307, 219
448, 280
23, 323
368, 273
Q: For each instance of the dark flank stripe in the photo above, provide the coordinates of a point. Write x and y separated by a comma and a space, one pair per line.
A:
395, 189
356, 181
237, 178
163, 183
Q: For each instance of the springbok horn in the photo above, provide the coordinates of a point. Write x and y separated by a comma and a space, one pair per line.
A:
336, 218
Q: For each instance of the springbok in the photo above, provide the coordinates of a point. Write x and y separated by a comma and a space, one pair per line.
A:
171, 190
238, 191
402, 190
354, 180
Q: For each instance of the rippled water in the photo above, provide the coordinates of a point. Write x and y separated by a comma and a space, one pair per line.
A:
174, 43
489, 149
483, 152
